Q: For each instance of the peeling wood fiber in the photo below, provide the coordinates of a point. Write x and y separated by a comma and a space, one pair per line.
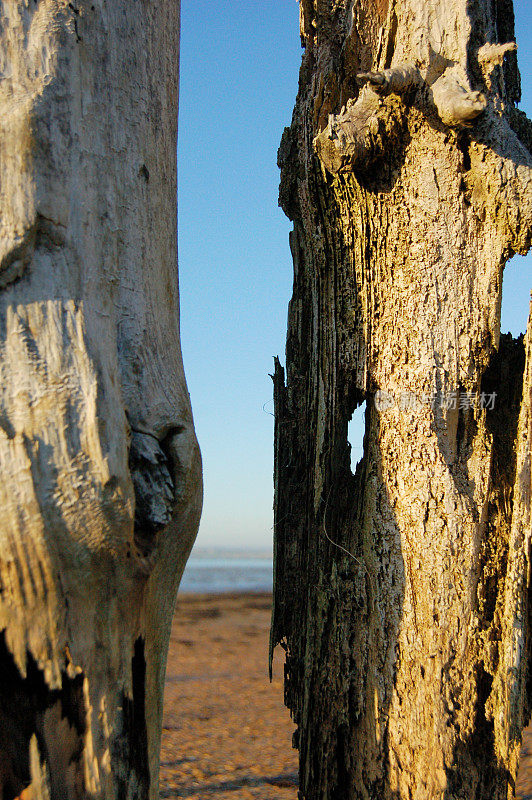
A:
401, 592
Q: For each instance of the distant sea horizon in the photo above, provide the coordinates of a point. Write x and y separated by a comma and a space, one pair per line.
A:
212, 570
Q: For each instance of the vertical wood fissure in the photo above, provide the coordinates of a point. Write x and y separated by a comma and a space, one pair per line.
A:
408, 679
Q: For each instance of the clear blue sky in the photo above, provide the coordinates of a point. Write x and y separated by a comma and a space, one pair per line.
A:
239, 74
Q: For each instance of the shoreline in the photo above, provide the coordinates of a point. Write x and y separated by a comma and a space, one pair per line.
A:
186, 597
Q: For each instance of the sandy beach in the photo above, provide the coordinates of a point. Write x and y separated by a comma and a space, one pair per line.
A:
226, 731
524, 782
227, 734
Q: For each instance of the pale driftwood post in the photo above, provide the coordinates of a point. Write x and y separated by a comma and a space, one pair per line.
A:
402, 592
100, 474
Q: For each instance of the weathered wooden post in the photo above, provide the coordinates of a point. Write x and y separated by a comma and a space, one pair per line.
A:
402, 592
100, 472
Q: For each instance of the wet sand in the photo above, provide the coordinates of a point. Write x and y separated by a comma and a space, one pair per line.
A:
227, 734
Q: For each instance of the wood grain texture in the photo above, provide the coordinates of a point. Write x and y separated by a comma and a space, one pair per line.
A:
401, 591
100, 469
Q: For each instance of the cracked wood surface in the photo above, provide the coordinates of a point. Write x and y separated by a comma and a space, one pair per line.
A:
402, 591
100, 469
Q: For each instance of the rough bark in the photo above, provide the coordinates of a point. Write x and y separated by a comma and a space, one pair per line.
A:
402, 591
100, 470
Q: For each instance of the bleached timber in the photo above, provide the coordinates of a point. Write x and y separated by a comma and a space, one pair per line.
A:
100, 472
402, 591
